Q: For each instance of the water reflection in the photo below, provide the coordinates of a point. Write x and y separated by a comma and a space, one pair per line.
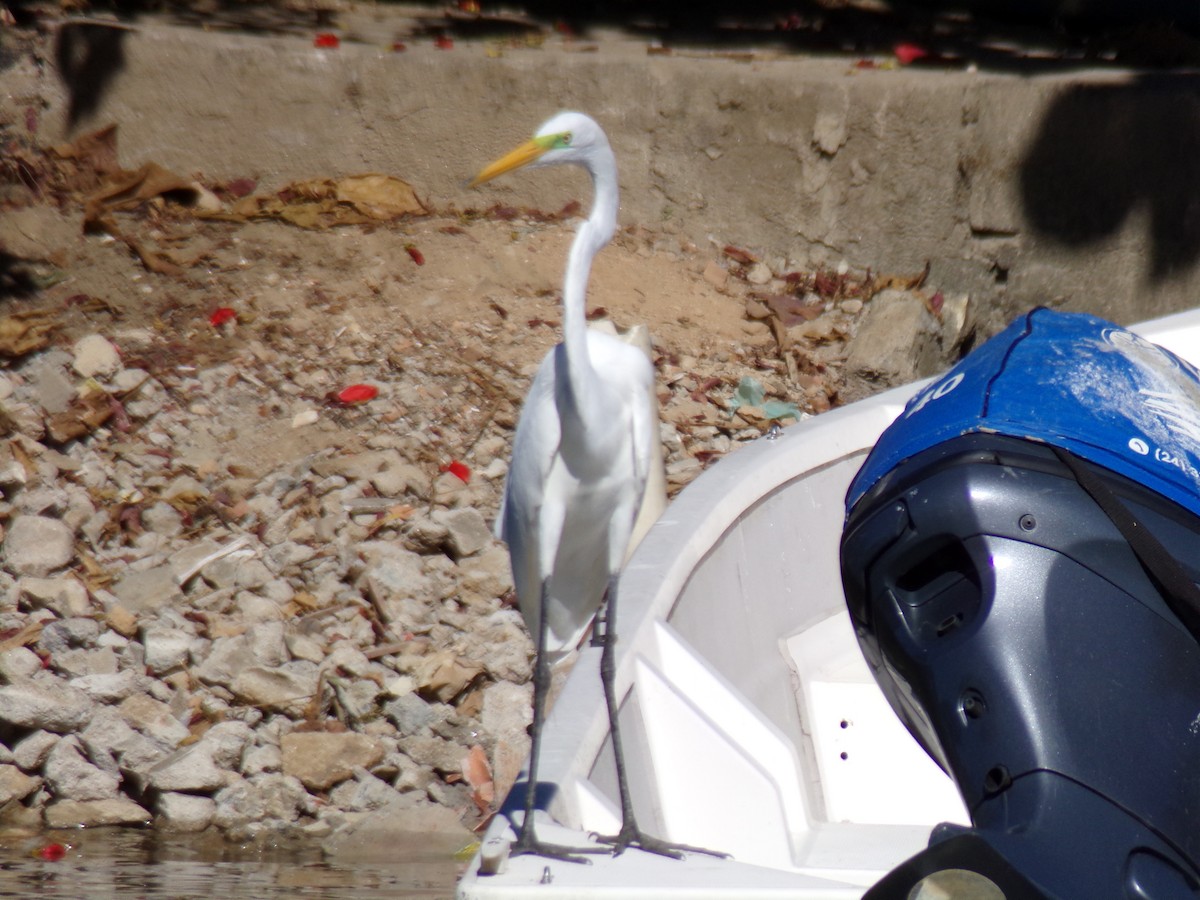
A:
141, 865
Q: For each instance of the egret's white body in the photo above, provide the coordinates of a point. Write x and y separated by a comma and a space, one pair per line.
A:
584, 443
579, 468
581, 459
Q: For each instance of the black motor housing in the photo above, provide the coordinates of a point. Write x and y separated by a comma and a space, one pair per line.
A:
1028, 649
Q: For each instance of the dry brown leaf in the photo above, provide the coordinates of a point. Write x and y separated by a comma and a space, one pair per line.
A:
93, 157
445, 676
122, 620
400, 513
478, 774
83, 416
226, 628
325, 202
27, 635
791, 310
900, 282
21, 455
129, 190
380, 196
24, 332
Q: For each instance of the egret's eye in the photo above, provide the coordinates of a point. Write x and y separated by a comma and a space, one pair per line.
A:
566, 139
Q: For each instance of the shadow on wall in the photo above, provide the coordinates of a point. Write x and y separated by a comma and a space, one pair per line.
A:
89, 56
1106, 152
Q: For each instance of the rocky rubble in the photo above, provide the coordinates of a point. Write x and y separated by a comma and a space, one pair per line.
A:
185, 645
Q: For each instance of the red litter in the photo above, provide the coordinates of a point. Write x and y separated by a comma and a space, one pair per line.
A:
459, 470
51, 852
909, 53
358, 393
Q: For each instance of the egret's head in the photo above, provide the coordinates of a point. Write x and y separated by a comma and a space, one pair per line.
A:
568, 137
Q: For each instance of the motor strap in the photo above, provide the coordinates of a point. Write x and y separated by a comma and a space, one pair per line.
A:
1174, 585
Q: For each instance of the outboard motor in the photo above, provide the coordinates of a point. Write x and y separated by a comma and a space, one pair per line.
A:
1020, 560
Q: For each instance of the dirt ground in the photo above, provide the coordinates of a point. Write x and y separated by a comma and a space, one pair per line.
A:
446, 313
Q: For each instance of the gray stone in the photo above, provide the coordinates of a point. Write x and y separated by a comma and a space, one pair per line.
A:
238, 804
283, 796
362, 793
227, 741
147, 590
376, 836
31, 751
81, 663
190, 769
444, 757
53, 389
163, 519
288, 688
153, 718
410, 713
48, 705
63, 634
426, 535
265, 758
16, 785
64, 595
90, 813
466, 530
394, 569
108, 687
72, 777
759, 273
19, 663
287, 555
501, 642
357, 697
134, 752
166, 648
485, 576
266, 642
507, 709
306, 646
505, 717
234, 571
95, 356
227, 658
50, 502
348, 659
37, 545
898, 341
254, 608
322, 759
184, 812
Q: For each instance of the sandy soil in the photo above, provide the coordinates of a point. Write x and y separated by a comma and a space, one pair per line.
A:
460, 305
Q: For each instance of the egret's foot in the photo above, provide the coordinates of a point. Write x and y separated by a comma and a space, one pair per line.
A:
630, 836
527, 844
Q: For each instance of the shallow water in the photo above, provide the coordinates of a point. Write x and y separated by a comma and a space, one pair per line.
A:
133, 864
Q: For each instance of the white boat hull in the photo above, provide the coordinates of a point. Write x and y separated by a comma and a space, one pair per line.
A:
751, 723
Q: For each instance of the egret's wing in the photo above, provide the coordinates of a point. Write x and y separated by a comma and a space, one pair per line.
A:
645, 445
535, 446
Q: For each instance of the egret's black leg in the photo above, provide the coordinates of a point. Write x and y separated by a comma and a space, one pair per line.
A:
629, 835
527, 841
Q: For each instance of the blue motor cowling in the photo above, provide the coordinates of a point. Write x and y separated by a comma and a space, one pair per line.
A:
1020, 560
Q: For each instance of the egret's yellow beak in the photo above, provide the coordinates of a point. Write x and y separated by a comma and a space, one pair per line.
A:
522, 156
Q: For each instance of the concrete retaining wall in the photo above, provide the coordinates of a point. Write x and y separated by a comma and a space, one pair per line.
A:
1080, 188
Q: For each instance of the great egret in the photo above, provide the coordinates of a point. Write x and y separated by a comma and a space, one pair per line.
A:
580, 463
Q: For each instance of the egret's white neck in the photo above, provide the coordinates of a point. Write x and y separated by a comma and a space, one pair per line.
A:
589, 240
